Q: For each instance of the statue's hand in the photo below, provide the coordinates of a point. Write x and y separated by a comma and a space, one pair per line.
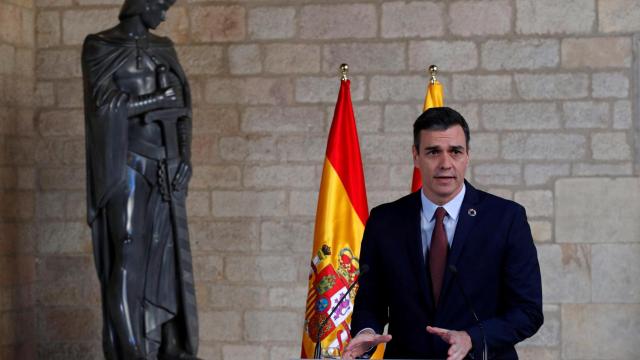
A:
182, 177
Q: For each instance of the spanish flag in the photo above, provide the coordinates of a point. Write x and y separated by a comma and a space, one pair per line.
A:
433, 98
340, 218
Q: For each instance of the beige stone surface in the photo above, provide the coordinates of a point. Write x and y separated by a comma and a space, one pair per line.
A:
588, 210
600, 331
615, 273
566, 271
218, 23
596, 52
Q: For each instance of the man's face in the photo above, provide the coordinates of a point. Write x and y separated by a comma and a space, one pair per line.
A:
442, 159
156, 13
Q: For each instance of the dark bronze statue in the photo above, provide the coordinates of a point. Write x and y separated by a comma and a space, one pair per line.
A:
138, 141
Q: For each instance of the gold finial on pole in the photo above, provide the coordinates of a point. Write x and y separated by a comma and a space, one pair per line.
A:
344, 71
433, 70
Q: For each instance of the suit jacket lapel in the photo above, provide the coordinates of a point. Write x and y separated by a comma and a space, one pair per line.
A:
414, 248
466, 221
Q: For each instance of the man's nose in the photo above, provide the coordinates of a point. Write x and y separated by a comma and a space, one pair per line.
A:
445, 162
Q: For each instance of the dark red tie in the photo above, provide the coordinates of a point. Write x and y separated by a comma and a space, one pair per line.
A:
438, 253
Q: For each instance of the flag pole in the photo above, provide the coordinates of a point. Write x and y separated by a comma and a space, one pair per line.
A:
433, 70
344, 72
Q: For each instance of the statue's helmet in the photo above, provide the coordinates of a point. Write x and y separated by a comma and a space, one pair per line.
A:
132, 8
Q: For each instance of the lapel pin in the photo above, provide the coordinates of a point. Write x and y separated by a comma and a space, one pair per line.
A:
472, 212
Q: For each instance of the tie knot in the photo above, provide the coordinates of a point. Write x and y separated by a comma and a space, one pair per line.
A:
440, 213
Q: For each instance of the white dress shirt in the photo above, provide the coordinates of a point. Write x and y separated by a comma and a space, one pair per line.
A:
428, 220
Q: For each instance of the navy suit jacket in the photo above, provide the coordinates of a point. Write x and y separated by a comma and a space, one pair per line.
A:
497, 266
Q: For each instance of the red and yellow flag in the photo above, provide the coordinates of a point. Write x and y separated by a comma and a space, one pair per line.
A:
433, 98
340, 218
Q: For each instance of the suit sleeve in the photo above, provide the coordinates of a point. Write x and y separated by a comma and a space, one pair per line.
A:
371, 304
522, 297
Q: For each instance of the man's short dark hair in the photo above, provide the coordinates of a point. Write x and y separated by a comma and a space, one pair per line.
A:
439, 119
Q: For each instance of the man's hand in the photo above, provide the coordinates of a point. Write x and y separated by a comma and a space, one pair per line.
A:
460, 341
362, 343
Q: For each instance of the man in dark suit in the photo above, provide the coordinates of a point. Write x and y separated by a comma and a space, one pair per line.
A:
438, 253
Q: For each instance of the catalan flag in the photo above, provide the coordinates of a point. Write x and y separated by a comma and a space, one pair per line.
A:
433, 98
340, 218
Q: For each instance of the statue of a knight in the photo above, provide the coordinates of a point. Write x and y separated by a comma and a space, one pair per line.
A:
138, 139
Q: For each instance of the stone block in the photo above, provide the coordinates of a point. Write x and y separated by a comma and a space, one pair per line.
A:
176, 26
622, 114
453, 55
364, 57
58, 64
7, 59
540, 174
50, 205
216, 120
400, 175
238, 296
67, 281
288, 297
248, 203
264, 268
566, 272
387, 148
69, 94
216, 177
249, 91
376, 176
497, 174
585, 114
337, 21
410, 19
85, 350
272, 325
44, 94
286, 237
25, 64
615, 273
280, 176
252, 148
324, 89
368, 118
99, 2
552, 86
537, 352
610, 85
62, 179
272, 23
378, 197
11, 20
245, 59
612, 331
221, 325
579, 201
549, 333
602, 52
77, 24
242, 352
69, 324
292, 58
64, 238
290, 119
16, 205
555, 17
547, 146
28, 29
303, 203
618, 16
201, 59
520, 116
469, 18
540, 231
484, 146
238, 236
397, 88
218, 23
536, 202
588, 169
208, 268
305, 148
481, 87
284, 352
610, 146
520, 54
400, 117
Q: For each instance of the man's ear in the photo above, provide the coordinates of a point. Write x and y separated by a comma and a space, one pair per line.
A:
414, 152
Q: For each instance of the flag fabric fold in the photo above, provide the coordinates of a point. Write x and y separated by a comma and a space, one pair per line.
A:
433, 98
341, 215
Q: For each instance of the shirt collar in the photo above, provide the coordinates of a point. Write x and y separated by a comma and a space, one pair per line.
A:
452, 207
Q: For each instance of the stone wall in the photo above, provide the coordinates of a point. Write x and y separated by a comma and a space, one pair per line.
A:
17, 179
549, 88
